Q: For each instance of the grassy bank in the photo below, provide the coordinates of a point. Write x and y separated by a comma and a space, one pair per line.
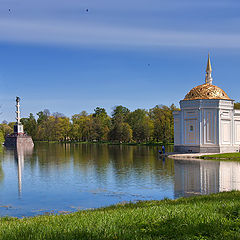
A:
204, 217
223, 156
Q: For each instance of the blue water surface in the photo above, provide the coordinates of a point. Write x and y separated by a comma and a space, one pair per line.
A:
62, 178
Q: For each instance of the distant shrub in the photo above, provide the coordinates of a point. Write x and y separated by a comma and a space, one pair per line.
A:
1, 137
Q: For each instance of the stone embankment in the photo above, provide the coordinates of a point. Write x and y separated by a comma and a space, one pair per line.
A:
186, 155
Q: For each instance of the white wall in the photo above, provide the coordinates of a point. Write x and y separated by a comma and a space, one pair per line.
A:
191, 127
237, 127
209, 119
177, 128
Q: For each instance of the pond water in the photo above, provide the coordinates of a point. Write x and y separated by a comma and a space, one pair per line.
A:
59, 178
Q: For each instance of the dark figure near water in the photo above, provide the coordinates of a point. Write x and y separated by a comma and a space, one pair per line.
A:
162, 151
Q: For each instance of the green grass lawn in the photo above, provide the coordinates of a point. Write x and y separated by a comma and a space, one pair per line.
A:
204, 217
224, 156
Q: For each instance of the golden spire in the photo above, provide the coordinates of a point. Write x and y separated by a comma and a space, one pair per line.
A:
208, 78
209, 67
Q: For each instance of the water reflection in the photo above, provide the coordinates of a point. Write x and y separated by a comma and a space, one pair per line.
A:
66, 177
100, 159
205, 177
20, 154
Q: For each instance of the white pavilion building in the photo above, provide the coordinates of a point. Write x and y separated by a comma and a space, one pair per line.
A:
207, 121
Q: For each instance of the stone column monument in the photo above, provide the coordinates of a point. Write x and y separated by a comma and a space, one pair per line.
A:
18, 139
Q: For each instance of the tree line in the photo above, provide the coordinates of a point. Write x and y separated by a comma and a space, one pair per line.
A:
140, 125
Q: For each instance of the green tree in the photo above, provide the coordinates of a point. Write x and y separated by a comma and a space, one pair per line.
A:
141, 125
48, 126
237, 105
120, 132
82, 127
101, 123
30, 126
163, 123
43, 116
120, 113
126, 135
11, 124
119, 118
1, 137
63, 126
6, 129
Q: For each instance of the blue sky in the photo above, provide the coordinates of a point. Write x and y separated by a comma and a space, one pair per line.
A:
55, 55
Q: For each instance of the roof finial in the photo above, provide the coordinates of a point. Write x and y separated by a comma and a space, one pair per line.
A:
208, 77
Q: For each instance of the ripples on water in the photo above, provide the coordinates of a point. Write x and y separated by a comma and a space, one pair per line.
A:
63, 178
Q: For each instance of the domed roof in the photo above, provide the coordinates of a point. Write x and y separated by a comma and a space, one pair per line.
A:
206, 91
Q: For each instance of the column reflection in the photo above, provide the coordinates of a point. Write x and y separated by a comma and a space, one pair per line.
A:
20, 154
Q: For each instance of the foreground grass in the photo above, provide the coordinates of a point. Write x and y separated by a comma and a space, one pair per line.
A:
204, 217
223, 156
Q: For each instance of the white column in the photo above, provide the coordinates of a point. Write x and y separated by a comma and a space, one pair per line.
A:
18, 118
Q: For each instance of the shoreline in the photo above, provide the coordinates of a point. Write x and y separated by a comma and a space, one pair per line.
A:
191, 156
110, 143
206, 156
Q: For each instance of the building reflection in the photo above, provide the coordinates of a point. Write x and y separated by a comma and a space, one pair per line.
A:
229, 176
194, 177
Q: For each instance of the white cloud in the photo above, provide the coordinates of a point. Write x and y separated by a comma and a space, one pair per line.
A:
107, 35
112, 23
